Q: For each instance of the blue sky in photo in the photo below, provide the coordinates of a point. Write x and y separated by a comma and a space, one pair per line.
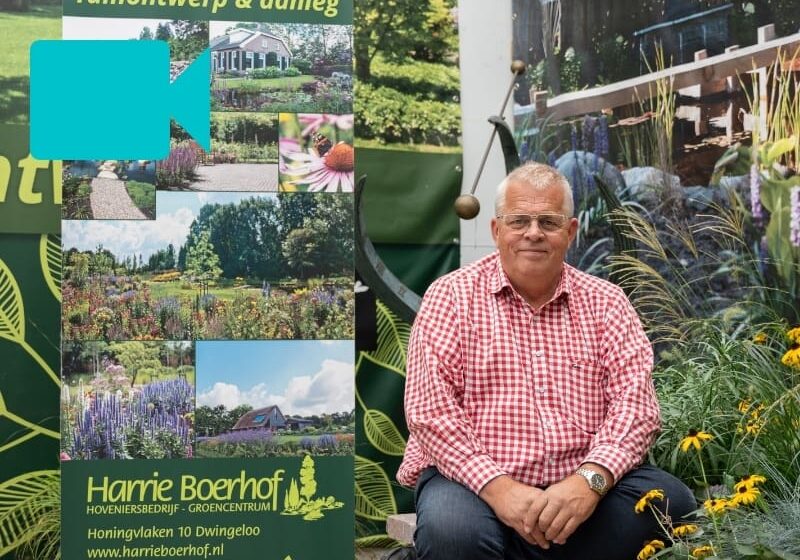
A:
175, 212
303, 377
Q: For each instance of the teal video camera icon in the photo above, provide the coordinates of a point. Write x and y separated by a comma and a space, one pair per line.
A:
113, 100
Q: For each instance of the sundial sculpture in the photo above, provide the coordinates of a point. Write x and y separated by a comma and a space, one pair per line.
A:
387, 287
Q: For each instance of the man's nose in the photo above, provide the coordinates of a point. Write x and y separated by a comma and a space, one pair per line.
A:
533, 229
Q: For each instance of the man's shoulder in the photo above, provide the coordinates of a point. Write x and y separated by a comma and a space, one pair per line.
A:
594, 288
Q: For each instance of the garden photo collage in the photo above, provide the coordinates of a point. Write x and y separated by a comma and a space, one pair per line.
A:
208, 303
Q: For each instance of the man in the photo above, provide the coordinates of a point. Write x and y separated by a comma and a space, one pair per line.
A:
530, 400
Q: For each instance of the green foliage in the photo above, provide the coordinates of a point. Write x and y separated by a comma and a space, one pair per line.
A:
304, 66
143, 196
189, 39
569, 71
76, 192
440, 82
292, 72
391, 116
135, 356
202, 261
269, 72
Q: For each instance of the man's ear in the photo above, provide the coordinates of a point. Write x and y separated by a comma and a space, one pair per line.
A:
572, 230
495, 229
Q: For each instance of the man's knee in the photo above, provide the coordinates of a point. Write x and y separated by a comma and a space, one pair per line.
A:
678, 500
452, 522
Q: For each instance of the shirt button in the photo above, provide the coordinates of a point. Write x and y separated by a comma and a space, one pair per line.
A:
551, 461
548, 424
541, 389
538, 353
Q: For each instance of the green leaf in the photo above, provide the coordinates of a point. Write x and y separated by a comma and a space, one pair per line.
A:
779, 245
24, 501
50, 260
779, 148
374, 496
393, 335
377, 541
12, 312
383, 434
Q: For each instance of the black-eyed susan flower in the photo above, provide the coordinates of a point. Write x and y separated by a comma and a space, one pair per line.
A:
684, 530
695, 439
792, 356
648, 497
760, 338
715, 506
745, 495
744, 405
794, 335
703, 551
649, 549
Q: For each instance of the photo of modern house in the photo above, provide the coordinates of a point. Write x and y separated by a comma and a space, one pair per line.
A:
267, 418
244, 50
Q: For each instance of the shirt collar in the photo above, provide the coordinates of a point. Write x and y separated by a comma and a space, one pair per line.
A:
499, 280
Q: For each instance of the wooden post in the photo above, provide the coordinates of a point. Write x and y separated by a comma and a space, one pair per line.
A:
765, 33
540, 103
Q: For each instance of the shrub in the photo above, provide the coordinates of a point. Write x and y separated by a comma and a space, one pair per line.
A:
267, 73
291, 72
425, 80
391, 116
178, 167
301, 64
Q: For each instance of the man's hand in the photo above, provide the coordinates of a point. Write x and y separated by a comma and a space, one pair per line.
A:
561, 508
511, 501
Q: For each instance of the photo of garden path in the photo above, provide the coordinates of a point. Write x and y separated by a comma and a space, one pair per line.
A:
243, 156
213, 266
127, 400
108, 190
22, 22
274, 398
281, 68
316, 153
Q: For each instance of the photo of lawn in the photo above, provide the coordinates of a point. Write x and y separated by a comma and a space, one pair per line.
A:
243, 156
127, 400
109, 190
22, 22
275, 398
213, 266
276, 68
316, 153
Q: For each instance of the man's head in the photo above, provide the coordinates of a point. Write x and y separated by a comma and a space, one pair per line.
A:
532, 250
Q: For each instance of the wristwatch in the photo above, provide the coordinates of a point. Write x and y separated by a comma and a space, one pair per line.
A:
597, 481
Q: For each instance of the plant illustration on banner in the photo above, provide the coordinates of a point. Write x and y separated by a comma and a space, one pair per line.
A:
30, 502
298, 500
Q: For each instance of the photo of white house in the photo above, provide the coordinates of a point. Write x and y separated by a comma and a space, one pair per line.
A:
244, 50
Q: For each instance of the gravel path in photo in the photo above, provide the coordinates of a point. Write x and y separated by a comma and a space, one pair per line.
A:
110, 201
260, 177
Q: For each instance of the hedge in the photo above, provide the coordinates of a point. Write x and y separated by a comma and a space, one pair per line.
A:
388, 115
424, 79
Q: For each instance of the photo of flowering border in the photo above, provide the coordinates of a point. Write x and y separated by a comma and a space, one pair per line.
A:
316, 152
127, 400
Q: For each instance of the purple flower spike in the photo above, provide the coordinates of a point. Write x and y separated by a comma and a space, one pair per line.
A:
794, 224
755, 194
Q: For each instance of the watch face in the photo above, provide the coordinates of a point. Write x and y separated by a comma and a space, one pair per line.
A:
598, 481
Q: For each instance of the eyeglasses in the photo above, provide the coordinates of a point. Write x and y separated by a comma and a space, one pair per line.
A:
546, 222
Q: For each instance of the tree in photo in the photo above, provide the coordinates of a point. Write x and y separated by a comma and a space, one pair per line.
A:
202, 262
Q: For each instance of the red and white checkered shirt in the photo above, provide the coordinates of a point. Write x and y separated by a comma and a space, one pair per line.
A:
495, 388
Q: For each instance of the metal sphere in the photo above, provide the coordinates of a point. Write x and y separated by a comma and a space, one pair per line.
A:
518, 67
467, 206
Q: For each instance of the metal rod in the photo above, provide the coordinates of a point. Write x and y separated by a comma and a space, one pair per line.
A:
516, 72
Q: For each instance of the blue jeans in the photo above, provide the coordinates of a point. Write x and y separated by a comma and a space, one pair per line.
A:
453, 523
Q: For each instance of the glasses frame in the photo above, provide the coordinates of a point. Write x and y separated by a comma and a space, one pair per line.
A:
534, 217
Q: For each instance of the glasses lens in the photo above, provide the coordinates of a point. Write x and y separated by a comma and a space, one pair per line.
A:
550, 222
517, 222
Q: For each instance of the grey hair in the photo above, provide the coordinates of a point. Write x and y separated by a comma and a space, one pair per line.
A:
538, 176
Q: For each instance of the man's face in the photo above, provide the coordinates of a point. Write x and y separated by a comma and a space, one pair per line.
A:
532, 256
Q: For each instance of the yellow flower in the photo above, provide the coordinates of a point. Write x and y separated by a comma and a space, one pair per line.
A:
792, 357
684, 530
648, 497
760, 338
694, 439
744, 405
794, 334
703, 551
745, 495
649, 549
716, 505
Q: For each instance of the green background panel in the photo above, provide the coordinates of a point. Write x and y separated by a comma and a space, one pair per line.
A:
409, 195
418, 265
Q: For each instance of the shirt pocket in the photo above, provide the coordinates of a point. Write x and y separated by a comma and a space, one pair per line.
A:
580, 381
